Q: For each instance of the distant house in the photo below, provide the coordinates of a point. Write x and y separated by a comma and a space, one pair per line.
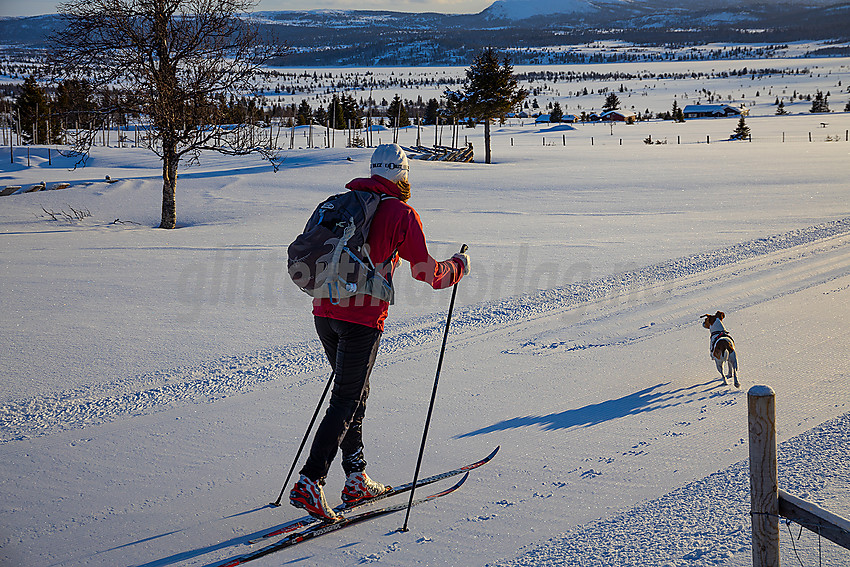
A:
569, 118
713, 111
626, 116
543, 119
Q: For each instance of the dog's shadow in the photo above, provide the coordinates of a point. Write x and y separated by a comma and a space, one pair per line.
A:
649, 399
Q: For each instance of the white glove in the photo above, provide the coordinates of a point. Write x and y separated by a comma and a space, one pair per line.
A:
464, 259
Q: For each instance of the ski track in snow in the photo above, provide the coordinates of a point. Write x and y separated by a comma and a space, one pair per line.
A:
707, 522
161, 390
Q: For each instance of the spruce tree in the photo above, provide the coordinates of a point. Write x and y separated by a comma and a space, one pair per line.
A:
557, 114
336, 114
742, 131
820, 103
75, 103
431, 110
351, 112
397, 113
612, 102
491, 92
678, 115
305, 113
34, 110
321, 116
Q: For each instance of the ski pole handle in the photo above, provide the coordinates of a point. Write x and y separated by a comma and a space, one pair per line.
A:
463, 249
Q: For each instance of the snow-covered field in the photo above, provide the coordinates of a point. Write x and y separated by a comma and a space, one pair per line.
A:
155, 384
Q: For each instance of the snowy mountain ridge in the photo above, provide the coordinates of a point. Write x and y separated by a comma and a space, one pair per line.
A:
518, 10
521, 9
382, 37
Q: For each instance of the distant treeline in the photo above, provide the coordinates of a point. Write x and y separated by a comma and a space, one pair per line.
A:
575, 76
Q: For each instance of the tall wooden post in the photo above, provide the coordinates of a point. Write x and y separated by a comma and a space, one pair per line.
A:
764, 484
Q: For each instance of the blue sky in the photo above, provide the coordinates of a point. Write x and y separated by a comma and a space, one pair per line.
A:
37, 7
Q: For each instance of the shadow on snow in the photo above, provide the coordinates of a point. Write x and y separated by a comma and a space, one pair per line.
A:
649, 399
191, 554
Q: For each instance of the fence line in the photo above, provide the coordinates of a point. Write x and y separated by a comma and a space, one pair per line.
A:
560, 139
276, 136
767, 501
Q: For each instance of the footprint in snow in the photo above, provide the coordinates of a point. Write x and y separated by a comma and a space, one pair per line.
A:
483, 518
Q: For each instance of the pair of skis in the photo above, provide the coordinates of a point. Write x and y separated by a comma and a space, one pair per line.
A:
313, 528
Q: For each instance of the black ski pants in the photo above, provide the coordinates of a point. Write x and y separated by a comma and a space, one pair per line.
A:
351, 350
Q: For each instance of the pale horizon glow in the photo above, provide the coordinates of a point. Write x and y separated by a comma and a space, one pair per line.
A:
16, 8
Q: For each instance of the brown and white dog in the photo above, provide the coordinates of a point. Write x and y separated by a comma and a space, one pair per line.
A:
722, 346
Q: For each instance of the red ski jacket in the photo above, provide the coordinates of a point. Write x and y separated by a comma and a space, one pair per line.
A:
396, 231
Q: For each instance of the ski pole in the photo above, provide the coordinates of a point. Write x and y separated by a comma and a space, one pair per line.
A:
276, 503
404, 528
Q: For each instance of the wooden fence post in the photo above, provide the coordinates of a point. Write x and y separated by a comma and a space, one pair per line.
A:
764, 484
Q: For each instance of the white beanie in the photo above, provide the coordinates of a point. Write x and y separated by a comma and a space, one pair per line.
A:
390, 162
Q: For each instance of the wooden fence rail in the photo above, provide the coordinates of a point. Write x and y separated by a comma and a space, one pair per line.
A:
812, 517
767, 501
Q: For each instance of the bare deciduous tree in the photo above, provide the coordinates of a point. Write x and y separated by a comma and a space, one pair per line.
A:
177, 61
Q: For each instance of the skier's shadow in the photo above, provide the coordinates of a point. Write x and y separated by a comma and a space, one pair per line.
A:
648, 399
190, 554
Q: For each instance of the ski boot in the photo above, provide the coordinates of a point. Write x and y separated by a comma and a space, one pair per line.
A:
358, 486
308, 494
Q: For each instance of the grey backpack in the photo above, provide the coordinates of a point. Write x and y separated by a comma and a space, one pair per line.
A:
330, 259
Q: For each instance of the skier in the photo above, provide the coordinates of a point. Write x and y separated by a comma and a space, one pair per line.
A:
350, 332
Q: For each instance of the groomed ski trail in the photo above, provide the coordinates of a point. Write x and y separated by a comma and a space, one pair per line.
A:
295, 365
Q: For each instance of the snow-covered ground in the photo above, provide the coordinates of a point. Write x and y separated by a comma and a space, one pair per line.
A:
155, 384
